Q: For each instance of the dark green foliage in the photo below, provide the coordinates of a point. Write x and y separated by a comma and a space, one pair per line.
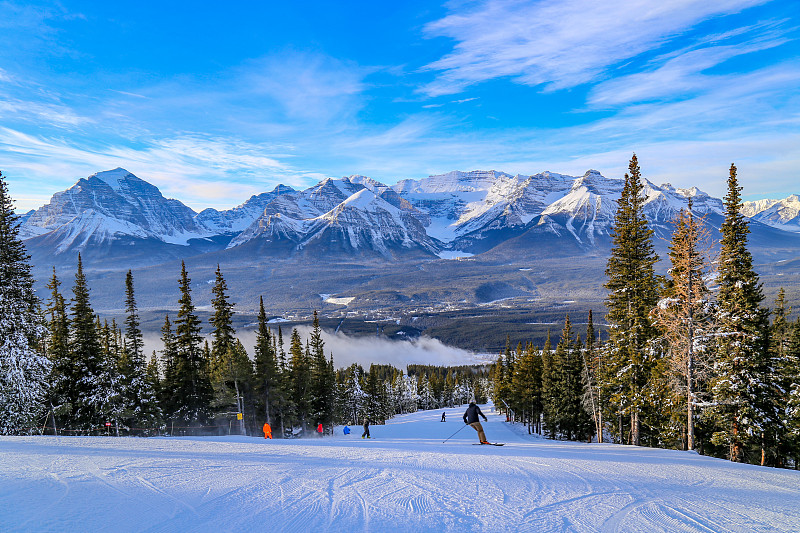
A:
300, 380
268, 386
86, 394
323, 379
222, 320
633, 293
189, 385
744, 403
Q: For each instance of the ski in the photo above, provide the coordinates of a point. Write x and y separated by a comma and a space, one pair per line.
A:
489, 444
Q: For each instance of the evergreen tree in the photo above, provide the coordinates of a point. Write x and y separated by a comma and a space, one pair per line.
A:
233, 377
86, 373
633, 292
527, 385
742, 399
134, 342
591, 363
549, 387
267, 375
791, 383
300, 374
24, 369
167, 399
192, 389
568, 418
781, 334
323, 378
58, 352
222, 320
140, 398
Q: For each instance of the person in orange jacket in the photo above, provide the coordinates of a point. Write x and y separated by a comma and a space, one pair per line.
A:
267, 431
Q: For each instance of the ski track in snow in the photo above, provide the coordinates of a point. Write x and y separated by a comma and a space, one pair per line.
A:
405, 479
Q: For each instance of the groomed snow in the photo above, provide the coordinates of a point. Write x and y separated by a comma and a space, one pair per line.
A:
405, 479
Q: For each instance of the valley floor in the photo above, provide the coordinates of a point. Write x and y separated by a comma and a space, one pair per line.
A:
404, 479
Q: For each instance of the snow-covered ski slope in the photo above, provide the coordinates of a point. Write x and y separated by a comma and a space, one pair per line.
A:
404, 479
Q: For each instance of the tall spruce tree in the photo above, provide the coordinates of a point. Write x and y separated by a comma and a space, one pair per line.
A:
267, 372
591, 362
140, 398
86, 373
300, 375
191, 388
222, 320
633, 292
791, 383
134, 342
323, 378
24, 369
742, 398
58, 351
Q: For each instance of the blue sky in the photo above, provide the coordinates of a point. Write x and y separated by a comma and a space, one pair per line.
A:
213, 102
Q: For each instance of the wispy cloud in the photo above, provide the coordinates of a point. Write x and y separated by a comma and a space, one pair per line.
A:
200, 171
555, 43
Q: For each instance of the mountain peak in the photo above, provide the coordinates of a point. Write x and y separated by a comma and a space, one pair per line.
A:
112, 177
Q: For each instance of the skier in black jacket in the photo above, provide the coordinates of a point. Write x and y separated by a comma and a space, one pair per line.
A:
471, 417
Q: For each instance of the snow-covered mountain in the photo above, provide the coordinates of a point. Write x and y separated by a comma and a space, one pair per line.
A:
783, 214
346, 216
357, 216
234, 221
109, 205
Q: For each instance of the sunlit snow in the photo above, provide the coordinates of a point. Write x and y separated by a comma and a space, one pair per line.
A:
404, 479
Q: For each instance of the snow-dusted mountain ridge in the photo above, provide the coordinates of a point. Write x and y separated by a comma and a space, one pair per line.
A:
459, 211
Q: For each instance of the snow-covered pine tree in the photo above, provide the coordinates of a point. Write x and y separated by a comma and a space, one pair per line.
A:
87, 393
791, 383
24, 370
684, 314
58, 353
633, 293
191, 387
141, 401
780, 338
230, 376
744, 403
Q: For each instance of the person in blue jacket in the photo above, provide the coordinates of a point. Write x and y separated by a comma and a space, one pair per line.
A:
346, 430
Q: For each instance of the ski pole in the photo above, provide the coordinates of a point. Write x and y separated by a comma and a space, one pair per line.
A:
454, 434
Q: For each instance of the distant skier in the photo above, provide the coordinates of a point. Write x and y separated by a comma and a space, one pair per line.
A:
443, 417
267, 431
471, 417
346, 430
366, 429
320, 429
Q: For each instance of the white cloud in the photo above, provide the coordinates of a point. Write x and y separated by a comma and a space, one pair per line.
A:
557, 43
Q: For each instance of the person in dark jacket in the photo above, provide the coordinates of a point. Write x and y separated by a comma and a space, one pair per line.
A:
366, 429
471, 417
444, 417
